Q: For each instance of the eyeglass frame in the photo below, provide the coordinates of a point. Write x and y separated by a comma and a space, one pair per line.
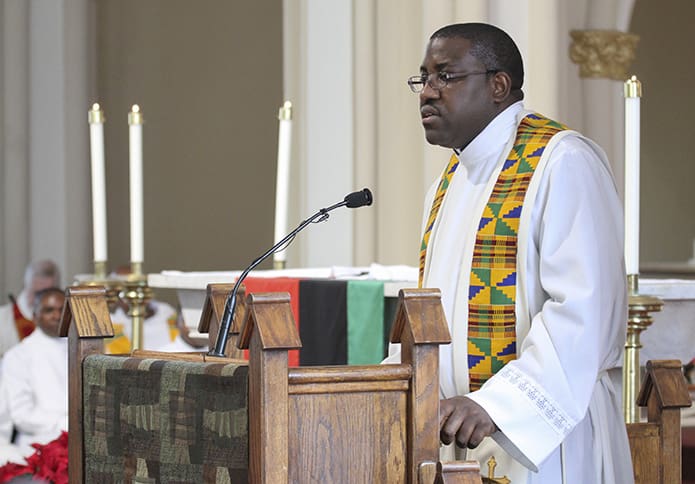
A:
443, 77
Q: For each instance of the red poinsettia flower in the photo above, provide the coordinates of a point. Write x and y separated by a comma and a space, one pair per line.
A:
49, 462
11, 470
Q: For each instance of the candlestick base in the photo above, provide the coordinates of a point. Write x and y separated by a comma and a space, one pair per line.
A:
136, 294
639, 319
136, 268
279, 265
100, 269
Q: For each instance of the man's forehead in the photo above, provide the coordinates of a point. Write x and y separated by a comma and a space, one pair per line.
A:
52, 299
443, 51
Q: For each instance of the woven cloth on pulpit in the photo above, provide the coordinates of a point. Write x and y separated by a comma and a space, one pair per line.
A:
148, 420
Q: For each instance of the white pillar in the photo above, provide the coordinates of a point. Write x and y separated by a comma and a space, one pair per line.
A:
366, 139
328, 170
603, 98
58, 157
14, 174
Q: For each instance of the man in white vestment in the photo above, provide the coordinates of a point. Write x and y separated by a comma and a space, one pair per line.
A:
16, 322
185, 341
34, 384
523, 236
16, 316
159, 329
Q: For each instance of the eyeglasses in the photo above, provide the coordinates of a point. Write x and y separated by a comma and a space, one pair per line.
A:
439, 80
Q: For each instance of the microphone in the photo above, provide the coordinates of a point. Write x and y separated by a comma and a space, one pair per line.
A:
358, 199
352, 200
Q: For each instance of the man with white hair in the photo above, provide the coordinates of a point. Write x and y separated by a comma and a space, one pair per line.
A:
16, 316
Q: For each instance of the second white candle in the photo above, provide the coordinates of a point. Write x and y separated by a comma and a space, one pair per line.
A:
136, 198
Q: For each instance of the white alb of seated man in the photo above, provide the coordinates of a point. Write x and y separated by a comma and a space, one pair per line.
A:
34, 387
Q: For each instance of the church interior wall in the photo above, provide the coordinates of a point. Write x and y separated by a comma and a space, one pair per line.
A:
209, 82
664, 66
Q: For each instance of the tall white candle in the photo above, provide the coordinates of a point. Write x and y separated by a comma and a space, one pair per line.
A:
282, 187
96, 138
136, 206
633, 93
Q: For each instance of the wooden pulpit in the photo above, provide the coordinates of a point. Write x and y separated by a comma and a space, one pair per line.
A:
376, 423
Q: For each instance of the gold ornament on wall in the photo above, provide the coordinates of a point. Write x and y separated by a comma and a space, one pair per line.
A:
603, 53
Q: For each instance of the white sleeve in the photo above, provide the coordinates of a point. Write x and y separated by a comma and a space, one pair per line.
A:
26, 415
8, 331
579, 332
5, 422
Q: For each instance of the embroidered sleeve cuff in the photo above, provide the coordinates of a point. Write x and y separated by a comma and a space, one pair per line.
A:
531, 424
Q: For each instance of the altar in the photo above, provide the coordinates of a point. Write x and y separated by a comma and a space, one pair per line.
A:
344, 314
672, 334
360, 338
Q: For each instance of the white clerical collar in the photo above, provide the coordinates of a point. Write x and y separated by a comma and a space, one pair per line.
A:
496, 133
48, 339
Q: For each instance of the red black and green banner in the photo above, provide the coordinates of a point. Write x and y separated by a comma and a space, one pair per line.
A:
339, 321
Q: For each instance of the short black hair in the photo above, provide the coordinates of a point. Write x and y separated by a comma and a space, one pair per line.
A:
490, 45
40, 295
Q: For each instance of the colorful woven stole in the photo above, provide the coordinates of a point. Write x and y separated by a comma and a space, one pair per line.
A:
121, 344
436, 205
492, 289
23, 325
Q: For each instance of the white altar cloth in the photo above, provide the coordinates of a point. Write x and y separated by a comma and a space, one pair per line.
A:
191, 286
671, 336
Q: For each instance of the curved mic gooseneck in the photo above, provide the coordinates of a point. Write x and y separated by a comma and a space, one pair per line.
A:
352, 200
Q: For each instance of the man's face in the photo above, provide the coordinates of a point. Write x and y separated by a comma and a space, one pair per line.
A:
455, 114
47, 316
39, 283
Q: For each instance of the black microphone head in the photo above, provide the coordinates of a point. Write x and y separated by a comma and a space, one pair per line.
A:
358, 199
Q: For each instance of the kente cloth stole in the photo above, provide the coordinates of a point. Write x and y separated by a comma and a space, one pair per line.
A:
119, 344
436, 205
23, 325
492, 288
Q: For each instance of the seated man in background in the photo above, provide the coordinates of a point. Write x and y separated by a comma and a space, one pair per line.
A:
16, 316
159, 330
34, 385
185, 341
16, 322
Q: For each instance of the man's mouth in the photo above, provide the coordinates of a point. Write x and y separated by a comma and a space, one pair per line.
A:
428, 114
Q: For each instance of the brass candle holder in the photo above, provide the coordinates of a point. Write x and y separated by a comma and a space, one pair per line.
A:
100, 277
136, 293
639, 319
100, 269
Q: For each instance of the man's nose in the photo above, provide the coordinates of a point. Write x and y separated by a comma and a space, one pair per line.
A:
55, 312
428, 92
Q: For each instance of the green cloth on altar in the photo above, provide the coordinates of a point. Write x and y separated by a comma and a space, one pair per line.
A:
365, 322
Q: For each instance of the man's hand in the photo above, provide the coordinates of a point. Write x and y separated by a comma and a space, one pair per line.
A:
463, 420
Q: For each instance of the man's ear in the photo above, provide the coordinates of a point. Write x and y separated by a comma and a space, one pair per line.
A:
501, 86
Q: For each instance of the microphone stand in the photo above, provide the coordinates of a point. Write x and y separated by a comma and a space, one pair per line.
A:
230, 305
